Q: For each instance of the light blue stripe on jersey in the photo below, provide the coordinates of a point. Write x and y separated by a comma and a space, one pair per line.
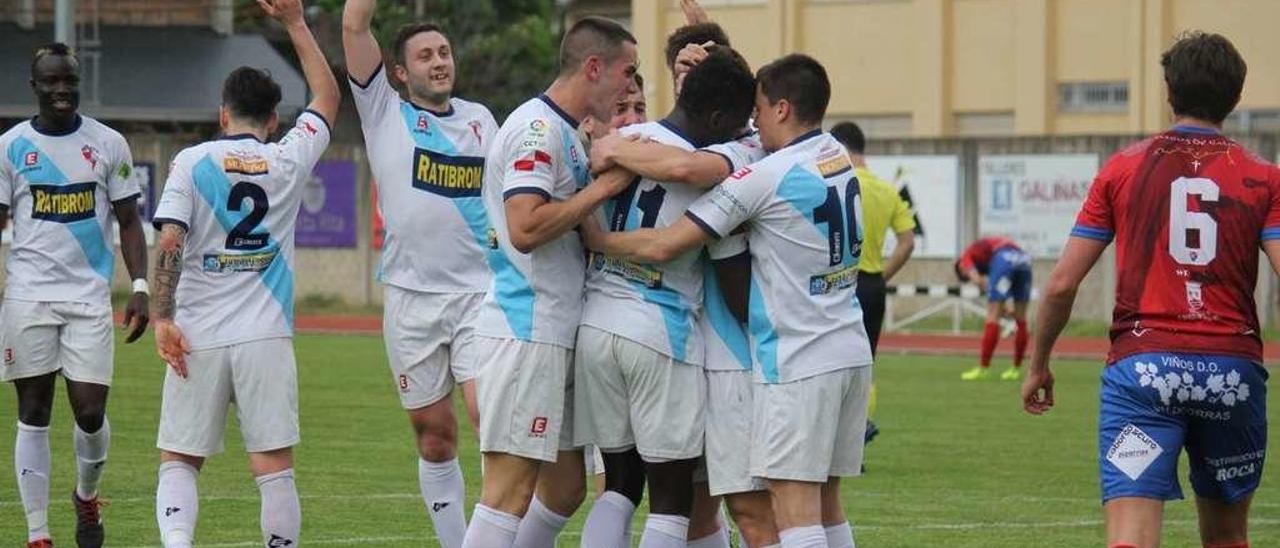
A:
581, 175
214, 186
762, 331
722, 320
87, 232
675, 315
806, 192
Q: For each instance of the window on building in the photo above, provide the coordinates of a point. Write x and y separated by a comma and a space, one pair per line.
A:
1253, 121
1093, 96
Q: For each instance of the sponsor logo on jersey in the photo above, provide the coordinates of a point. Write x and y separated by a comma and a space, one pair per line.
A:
238, 262
530, 161
31, 159
245, 165
833, 281
492, 236
309, 128
741, 173
833, 163
642, 274
448, 176
539, 427
64, 203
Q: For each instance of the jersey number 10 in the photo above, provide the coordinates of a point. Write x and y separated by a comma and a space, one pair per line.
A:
842, 222
1182, 222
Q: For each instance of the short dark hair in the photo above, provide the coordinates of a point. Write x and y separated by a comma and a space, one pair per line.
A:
721, 82
55, 48
407, 32
592, 36
802, 81
698, 33
1205, 75
850, 135
251, 93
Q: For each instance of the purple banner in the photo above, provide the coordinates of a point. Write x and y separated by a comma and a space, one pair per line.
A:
327, 217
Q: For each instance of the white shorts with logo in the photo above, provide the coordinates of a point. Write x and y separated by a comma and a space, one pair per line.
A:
634, 396
525, 392
729, 417
430, 340
259, 377
811, 429
39, 338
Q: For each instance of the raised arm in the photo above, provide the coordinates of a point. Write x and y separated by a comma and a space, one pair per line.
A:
1055, 309
661, 162
133, 245
361, 48
315, 68
533, 219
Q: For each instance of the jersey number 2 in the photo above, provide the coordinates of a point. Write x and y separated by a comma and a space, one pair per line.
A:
841, 221
242, 236
1182, 222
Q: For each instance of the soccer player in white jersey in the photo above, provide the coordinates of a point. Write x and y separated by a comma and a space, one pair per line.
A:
64, 176
639, 387
427, 154
537, 190
800, 209
224, 290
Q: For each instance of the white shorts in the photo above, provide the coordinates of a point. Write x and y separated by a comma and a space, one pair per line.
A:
811, 429
729, 415
525, 392
259, 377
43, 337
594, 460
430, 340
634, 396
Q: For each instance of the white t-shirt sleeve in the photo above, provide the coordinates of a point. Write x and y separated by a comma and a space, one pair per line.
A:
731, 203
6, 177
303, 145
376, 98
727, 247
177, 198
121, 185
528, 162
735, 155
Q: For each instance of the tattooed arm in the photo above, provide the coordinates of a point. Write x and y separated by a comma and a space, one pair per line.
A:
171, 344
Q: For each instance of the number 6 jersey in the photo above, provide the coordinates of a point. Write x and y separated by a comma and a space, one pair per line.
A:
1188, 209
238, 199
802, 210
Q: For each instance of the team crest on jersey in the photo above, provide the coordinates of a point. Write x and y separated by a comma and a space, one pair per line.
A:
423, 125
32, 158
448, 176
244, 164
90, 155
238, 262
475, 130
64, 203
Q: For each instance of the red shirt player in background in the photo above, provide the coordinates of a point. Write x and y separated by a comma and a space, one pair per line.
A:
1003, 270
1189, 210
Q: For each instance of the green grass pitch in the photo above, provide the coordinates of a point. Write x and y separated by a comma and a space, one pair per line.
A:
958, 464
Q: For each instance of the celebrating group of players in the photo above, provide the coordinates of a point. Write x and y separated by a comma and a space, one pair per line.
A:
679, 294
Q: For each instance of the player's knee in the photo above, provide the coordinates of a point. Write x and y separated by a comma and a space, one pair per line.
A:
671, 487
625, 474
34, 413
90, 416
437, 435
563, 497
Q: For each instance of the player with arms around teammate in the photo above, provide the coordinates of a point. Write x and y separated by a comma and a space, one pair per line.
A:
427, 154
1188, 210
1003, 270
537, 190
640, 390
224, 290
64, 176
801, 211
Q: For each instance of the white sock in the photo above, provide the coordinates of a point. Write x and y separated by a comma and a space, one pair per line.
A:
609, 522
719, 539
91, 457
840, 536
281, 513
813, 536
491, 529
31, 464
665, 531
540, 526
444, 494
177, 504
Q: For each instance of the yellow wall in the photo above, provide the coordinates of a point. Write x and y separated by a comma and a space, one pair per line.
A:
929, 61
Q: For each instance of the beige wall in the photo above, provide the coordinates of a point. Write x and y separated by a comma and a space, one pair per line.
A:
933, 67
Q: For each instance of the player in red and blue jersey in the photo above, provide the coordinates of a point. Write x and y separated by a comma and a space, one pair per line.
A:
1189, 210
1003, 270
